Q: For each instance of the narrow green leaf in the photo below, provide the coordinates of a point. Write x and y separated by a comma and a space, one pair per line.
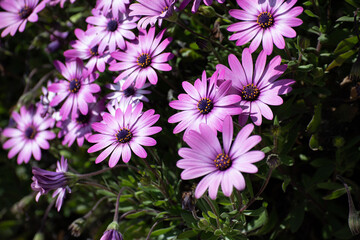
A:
162, 231
336, 194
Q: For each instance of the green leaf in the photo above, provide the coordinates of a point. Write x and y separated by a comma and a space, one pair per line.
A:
285, 183
346, 45
135, 215
310, 13
187, 234
341, 59
212, 215
162, 231
353, 3
314, 143
336, 194
345, 19
316, 120
297, 217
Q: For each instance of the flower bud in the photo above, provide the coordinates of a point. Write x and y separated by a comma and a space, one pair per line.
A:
207, 11
77, 226
273, 161
112, 232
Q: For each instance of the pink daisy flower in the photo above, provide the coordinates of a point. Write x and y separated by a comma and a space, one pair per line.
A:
109, 31
196, 4
140, 59
86, 47
153, 11
130, 95
77, 90
257, 87
45, 181
264, 22
29, 135
115, 6
18, 13
79, 128
205, 102
123, 132
62, 2
221, 165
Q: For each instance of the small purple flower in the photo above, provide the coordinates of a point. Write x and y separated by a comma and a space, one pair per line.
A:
131, 95
109, 31
221, 165
204, 102
45, 100
79, 128
111, 234
77, 89
264, 22
86, 47
62, 2
44, 181
114, 6
196, 4
140, 59
152, 11
29, 135
123, 131
18, 13
257, 87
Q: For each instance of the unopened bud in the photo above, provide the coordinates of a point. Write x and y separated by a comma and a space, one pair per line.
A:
187, 201
77, 226
273, 161
207, 11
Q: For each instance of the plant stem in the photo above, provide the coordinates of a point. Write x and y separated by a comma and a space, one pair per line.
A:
88, 175
86, 216
46, 214
116, 215
208, 200
94, 184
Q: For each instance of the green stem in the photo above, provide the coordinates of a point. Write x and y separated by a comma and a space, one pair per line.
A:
208, 200
88, 175
86, 216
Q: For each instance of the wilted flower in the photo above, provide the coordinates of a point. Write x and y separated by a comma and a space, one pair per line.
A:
29, 135
264, 22
221, 165
44, 181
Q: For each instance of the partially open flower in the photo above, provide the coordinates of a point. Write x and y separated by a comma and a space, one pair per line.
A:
112, 232
44, 181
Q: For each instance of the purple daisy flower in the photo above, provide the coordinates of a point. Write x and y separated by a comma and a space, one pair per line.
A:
265, 22
257, 87
137, 63
18, 13
45, 100
79, 128
131, 95
44, 181
29, 135
123, 131
111, 234
153, 11
204, 102
196, 4
115, 6
77, 89
109, 31
86, 47
221, 165
62, 2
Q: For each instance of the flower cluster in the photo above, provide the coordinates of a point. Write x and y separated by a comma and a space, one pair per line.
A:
118, 38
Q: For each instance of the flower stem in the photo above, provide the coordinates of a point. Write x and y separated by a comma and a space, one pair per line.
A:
88, 175
86, 216
208, 200
94, 184
116, 215
46, 214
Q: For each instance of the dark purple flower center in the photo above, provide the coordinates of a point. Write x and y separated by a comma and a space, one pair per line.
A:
250, 92
205, 105
83, 119
94, 50
130, 91
265, 19
112, 25
25, 12
123, 135
144, 60
74, 86
30, 132
222, 161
